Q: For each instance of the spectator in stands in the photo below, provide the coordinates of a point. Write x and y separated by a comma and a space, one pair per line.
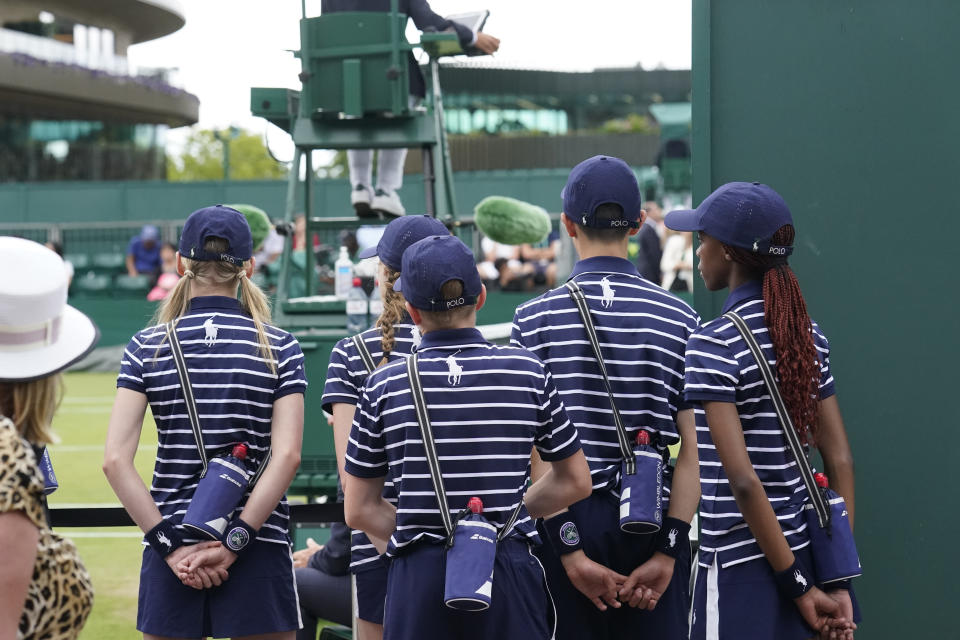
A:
650, 243
57, 248
677, 262
502, 266
143, 253
271, 249
543, 260
168, 277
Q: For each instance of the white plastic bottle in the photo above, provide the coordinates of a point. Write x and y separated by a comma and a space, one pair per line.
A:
343, 269
376, 303
358, 306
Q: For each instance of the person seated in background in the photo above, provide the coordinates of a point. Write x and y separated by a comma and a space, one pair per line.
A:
143, 252
323, 581
502, 266
366, 200
542, 260
168, 277
271, 249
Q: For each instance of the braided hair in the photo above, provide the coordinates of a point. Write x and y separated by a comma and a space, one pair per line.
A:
791, 332
394, 311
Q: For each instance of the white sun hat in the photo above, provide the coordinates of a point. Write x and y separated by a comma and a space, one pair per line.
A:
40, 333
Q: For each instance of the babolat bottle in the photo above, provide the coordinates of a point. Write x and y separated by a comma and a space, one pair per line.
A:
471, 553
640, 502
218, 494
834, 550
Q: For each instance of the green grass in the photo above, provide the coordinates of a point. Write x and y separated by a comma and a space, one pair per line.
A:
112, 555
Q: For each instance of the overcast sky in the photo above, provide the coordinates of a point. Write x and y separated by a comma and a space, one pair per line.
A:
228, 46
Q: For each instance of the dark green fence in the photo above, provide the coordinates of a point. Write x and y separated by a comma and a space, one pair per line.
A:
848, 108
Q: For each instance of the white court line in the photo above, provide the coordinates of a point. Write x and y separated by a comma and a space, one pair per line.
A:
88, 399
80, 448
101, 534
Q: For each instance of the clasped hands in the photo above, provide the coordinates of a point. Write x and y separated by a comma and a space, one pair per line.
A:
202, 565
605, 588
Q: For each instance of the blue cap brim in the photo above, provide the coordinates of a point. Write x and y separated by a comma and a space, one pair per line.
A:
683, 220
369, 252
397, 284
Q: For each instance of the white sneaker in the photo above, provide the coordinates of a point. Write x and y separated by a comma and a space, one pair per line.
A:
360, 199
388, 203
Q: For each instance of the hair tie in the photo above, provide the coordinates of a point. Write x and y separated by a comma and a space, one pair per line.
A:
189, 274
242, 274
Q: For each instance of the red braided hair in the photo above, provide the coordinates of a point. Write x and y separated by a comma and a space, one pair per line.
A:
791, 331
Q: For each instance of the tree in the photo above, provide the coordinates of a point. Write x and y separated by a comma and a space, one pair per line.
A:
202, 158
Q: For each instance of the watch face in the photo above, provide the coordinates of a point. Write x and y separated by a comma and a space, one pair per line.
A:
237, 539
569, 534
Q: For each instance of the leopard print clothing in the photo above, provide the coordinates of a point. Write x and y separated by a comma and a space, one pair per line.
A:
60, 595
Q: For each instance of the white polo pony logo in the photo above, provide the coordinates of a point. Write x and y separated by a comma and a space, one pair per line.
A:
608, 293
672, 535
800, 579
210, 337
455, 371
163, 539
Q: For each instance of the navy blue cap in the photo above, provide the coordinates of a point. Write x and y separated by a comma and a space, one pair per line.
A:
740, 214
429, 264
400, 234
602, 180
221, 222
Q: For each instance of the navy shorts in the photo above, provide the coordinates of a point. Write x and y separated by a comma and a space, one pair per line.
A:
371, 585
742, 601
260, 596
577, 618
520, 606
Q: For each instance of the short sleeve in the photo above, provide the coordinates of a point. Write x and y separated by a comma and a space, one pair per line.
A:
131, 366
556, 436
826, 376
679, 399
21, 483
711, 371
291, 377
132, 246
340, 385
366, 452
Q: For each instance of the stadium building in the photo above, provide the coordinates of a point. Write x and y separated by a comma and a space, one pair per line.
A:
71, 105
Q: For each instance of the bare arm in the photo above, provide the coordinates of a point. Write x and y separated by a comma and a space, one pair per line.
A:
286, 438
818, 609
365, 509
342, 421
123, 436
567, 481
685, 490
835, 449
18, 539
131, 269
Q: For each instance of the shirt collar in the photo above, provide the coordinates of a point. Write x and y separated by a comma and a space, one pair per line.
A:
746, 291
605, 264
217, 303
440, 338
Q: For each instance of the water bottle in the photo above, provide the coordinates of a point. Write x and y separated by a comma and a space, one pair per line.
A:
357, 308
376, 302
343, 269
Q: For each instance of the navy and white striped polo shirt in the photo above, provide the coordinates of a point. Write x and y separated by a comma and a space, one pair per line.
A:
234, 390
346, 375
643, 332
720, 368
489, 406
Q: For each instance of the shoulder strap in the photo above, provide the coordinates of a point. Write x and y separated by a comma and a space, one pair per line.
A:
433, 461
188, 398
786, 423
626, 451
192, 413
365, 354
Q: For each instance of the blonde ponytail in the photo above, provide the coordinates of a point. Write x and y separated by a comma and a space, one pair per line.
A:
394, 310
224, 274
31, 405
